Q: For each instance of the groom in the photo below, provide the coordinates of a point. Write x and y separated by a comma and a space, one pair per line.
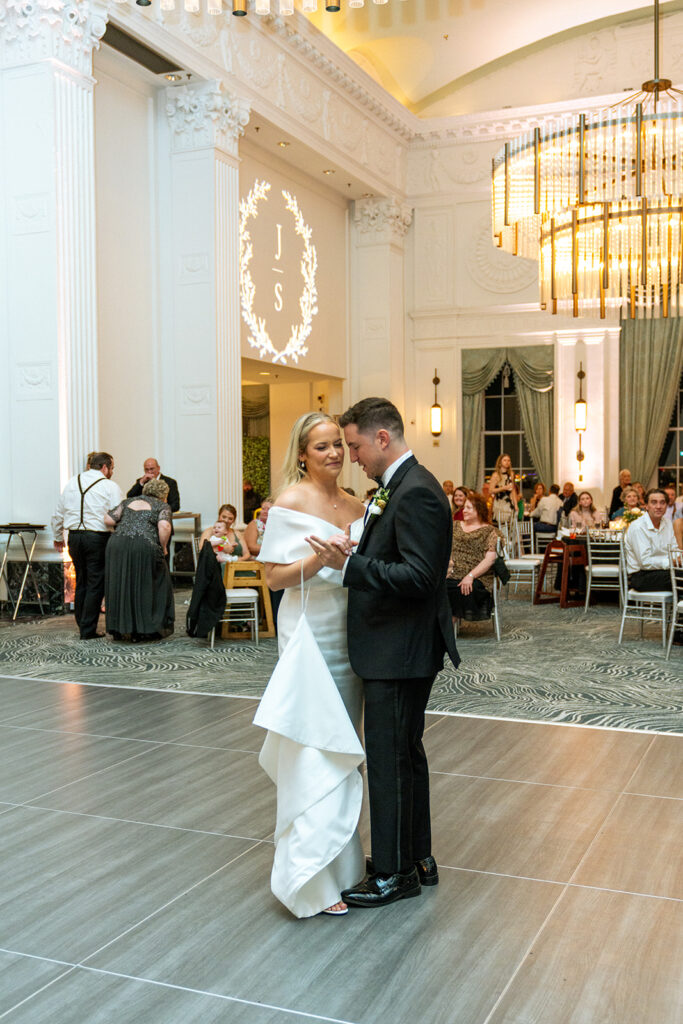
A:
399, 627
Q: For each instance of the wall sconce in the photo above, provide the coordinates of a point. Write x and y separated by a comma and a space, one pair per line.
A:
580, 418
435, 417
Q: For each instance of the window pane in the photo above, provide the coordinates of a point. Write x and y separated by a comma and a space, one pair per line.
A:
666, 477
668, 456
492, 414
512, 445
511, 420
491, 449
495, 387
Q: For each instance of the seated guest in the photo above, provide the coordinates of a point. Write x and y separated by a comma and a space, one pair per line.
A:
448, 488
584, 515
641, 493
624, 482
470, 572
630, 499
487, 496
547, 511
152, 471
539, 492
569, 497
670, 492
647, 544
227, 544
253, 535
227, 515
678, 531
458, 498
251, 500
138, 593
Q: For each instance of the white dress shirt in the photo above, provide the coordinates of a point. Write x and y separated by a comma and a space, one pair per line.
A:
547, 509
648, 548
104, 496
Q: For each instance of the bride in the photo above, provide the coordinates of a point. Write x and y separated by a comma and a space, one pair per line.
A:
312, 706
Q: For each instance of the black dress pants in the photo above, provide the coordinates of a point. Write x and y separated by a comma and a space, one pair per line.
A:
650, 579
398, 776
87, 549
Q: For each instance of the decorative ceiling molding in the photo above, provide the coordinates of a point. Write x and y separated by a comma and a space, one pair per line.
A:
63, 30
206, 114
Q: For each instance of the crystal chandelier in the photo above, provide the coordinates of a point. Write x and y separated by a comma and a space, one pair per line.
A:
598, 200
239, 7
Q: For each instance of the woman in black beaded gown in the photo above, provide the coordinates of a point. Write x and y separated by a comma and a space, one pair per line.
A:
138, 593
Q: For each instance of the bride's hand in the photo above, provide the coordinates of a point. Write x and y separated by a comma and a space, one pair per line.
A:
331, 554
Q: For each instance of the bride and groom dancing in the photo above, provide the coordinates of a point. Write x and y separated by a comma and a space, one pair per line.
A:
363, 627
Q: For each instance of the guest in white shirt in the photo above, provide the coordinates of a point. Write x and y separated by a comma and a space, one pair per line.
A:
647, 544
81, 509
670, 512
547, 511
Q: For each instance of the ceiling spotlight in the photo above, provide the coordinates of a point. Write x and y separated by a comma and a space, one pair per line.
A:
328, 171
239, 8
368, 195
144, 3
283, 145
332, 6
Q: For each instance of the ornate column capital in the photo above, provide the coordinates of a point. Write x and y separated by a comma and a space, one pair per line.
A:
206, 116
63, 30
382, 221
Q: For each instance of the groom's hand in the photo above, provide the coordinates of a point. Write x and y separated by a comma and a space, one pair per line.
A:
333, 552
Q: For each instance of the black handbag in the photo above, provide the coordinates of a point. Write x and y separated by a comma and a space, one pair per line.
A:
501, 570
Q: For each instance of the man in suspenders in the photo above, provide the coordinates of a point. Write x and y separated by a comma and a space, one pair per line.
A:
80, 510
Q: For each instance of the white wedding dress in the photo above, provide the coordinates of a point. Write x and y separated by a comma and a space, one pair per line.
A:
312, 709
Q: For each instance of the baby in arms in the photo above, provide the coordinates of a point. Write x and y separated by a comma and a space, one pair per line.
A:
221, 545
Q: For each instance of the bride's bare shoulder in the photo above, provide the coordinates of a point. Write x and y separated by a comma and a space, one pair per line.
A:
293, 498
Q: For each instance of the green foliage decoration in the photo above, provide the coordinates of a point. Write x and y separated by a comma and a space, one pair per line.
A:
256, 463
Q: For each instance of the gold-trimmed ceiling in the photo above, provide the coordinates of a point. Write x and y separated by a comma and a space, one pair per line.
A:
423, 51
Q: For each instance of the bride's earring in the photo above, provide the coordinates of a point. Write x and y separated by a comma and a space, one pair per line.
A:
302, 465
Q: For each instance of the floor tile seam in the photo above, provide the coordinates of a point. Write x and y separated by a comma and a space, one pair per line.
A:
654, 796
91, 775
525, 955
556, 881
178, 742
213, 995
126, 686
527, 782
28, 998
565, 725
76, 732
609, 814
134, 821
158, 910
186, 735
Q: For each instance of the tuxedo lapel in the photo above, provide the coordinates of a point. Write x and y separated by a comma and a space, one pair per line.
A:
392, 487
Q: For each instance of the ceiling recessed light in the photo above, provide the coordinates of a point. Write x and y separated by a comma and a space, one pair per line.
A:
328, 171
283, 145
368, 195
264, 373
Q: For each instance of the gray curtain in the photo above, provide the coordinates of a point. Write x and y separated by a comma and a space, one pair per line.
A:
650, 366
479, 368
533, 368
255, 410
534, 375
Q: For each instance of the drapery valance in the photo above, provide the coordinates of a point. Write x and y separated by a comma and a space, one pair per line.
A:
533, 366
650, 367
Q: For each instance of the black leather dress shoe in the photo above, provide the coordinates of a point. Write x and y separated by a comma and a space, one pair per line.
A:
379, 890
427, 870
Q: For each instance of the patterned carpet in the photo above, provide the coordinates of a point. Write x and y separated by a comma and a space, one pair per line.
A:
552, 665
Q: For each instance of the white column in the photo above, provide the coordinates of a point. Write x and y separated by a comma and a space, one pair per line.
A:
206, 123
48, 337
378, 299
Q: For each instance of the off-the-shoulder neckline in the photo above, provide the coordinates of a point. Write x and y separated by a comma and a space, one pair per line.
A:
309, 515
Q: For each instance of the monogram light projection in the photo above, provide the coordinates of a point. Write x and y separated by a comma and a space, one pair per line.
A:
259, 336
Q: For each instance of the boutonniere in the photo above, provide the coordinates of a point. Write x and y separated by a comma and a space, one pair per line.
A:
379, 501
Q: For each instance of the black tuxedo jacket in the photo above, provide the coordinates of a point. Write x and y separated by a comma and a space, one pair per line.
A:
173, 495
399, 618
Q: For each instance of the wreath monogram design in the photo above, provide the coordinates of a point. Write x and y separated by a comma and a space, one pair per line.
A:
259, 337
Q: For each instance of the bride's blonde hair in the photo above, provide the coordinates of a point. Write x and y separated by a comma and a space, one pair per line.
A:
292, 470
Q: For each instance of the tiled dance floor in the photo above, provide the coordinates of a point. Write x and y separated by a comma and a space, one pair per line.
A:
135, 844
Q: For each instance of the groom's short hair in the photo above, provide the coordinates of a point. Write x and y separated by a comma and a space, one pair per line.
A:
372, 414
